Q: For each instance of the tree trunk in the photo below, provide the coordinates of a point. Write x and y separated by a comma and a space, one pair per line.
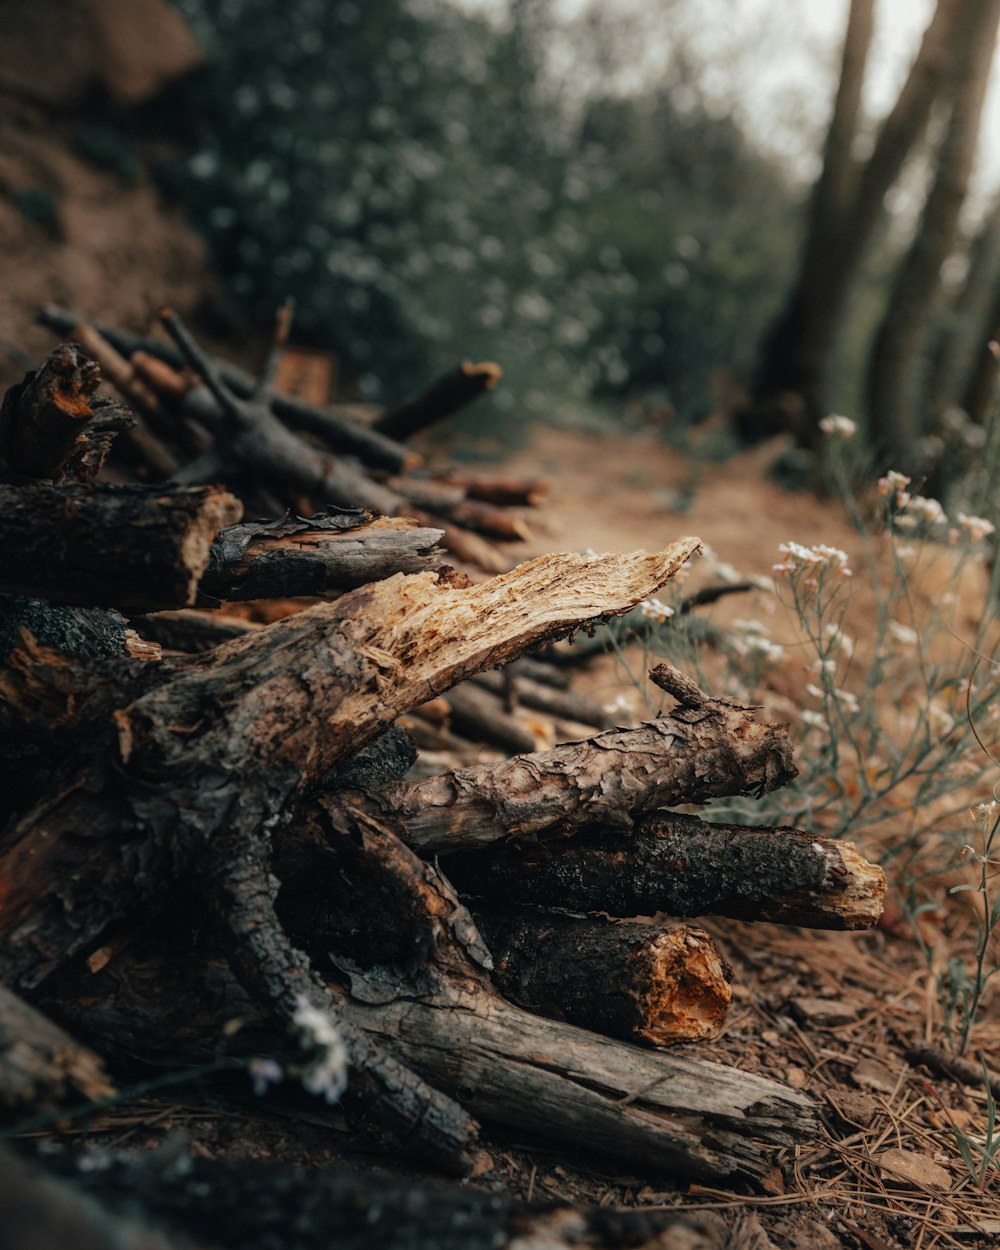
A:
981, 388
895, 405
797, 350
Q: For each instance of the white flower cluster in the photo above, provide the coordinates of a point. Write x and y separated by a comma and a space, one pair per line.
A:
318, 1032
813, 560
976, 527
844, 697
837, 426
895, 484
656, 609
751, 639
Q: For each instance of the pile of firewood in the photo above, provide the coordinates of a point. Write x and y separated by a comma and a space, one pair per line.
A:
469, 936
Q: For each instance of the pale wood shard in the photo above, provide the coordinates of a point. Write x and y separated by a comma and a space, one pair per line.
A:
40, 1064
354, 665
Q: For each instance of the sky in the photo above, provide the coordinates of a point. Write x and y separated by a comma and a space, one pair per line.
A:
777, 60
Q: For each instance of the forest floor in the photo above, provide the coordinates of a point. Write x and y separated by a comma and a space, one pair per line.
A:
829, 1013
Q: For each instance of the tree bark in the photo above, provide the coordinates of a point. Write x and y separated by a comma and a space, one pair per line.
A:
685, 867
696, 753
314, 556
130, 547
42, 417
981, 388
443, 397
648, 983
562, 704
894, 406
480, 715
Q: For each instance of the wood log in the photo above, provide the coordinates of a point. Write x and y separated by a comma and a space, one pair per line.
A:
339, 432
42, 417
314, 556
648, 983
41, 1065
480, 715
38, 1212
443, 397
257, 1205
653, 1111
562, 704
492, 488
190, 630
228, 738
131, 547
686, 867
257, 440
696, 753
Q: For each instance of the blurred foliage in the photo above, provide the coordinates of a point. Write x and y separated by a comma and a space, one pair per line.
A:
412, 175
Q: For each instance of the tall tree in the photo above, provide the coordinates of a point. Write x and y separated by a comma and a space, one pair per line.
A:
844, 211
894, 409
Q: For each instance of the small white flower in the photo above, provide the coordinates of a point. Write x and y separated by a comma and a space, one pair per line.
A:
976, 527
893, 482
815, 720
656, 609
928, 510
838, 426
264, 1073
903, 633
318, 1032
619, 706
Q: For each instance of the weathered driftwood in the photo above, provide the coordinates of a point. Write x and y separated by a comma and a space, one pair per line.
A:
255, 1205
42, 417
137, 547
701, 750
40, 1065
653, 983
443, 397
315, 555
686, 867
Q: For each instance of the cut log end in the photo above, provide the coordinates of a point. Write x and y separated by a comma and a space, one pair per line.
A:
681, 985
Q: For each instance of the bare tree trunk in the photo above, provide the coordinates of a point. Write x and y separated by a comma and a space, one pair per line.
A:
845, 210
893, 405
980, 390
956, 356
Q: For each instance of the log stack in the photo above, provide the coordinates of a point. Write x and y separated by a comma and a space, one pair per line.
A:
508, 942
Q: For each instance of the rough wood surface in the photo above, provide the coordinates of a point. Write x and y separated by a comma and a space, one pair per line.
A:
227, 739
652, 983
315, 555
443, 397
686, 867
650, 1111
135, 547
477, 714
42, 417
40, 1064
256, 1205
689, 756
